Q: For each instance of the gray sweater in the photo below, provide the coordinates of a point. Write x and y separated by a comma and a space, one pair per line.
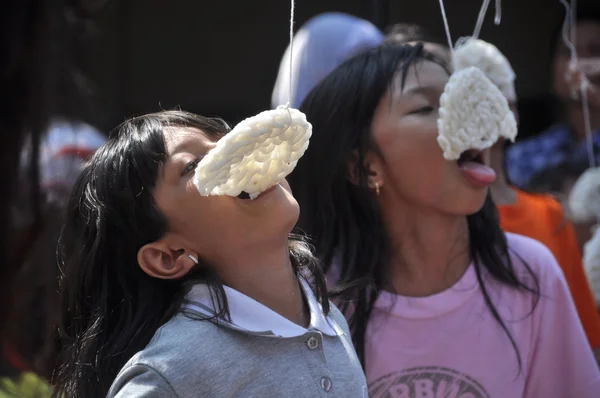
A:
188, 357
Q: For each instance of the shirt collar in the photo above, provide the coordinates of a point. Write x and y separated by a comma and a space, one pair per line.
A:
251, 317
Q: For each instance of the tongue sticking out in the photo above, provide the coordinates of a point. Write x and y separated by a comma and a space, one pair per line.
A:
477, 174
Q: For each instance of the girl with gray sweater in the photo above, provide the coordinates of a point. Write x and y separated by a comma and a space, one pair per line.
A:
171, 294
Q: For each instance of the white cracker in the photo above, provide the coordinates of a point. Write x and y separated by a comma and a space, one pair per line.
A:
258, 153
584, 198
473, 114
487, 57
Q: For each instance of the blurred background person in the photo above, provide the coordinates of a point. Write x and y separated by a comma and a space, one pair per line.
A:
536, 162
553, 160
320, 45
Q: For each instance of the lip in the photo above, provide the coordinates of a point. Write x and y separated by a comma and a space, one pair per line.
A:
264, 193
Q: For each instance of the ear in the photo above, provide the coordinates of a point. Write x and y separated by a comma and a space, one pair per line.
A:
372, 163
374, 166
160, 261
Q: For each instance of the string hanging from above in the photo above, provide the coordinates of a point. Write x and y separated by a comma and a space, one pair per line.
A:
292, 7
481, 16
259, 152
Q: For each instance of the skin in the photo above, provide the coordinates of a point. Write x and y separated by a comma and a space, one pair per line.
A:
244, 241
438, 50
424, 199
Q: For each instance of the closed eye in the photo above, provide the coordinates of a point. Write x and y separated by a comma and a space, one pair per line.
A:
190, 167
423, 110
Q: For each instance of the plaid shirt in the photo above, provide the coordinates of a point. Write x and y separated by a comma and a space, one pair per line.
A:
556, 147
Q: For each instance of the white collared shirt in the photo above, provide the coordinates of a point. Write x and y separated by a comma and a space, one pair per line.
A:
250, 316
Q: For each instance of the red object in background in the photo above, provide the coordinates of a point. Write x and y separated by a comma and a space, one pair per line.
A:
13, 358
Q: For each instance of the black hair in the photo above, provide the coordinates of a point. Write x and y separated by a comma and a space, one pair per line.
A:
342, 216
111, 308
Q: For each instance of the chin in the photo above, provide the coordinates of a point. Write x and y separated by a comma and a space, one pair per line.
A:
470, 204
293, 215
287, 212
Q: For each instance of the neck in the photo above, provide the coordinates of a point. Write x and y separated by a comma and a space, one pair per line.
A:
430, 251
577, 121
502, 193
266, 275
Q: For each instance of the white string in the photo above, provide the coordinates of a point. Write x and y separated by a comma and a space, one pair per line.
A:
588, 125
498, 16
480, 18
568, 35
568, 30
450, 45
573, 17
291, 52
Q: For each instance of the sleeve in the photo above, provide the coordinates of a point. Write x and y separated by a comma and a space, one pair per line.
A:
140, 381
562, 364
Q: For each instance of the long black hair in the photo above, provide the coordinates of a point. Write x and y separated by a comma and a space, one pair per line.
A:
342, 216
111, 308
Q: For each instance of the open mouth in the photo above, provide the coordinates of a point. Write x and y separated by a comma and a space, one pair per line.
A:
244, 195
470, 156
472, 166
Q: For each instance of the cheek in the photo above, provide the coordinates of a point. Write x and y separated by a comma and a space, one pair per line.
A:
192, 215
414, 159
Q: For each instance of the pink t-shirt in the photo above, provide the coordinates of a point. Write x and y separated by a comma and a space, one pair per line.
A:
449, 345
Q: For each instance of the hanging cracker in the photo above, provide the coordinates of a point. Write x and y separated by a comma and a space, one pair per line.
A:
473, 114
488, 58
584, 198
257, 154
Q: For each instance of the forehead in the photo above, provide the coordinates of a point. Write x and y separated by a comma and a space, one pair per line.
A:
436, 49
178, 139
421, 74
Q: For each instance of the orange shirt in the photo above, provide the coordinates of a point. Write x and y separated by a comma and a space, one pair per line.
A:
541, 217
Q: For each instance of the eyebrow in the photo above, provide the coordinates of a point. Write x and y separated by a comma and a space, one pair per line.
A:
427, 90
181, 147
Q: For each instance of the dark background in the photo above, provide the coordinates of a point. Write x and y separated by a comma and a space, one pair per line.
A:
221, 57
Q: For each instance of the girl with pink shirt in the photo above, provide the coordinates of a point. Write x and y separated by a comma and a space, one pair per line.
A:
441, 303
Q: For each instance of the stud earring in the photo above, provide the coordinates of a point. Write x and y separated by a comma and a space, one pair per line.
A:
194, 259
376, 188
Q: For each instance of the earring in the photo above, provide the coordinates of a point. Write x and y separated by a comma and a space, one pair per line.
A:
376, 188
194, 259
